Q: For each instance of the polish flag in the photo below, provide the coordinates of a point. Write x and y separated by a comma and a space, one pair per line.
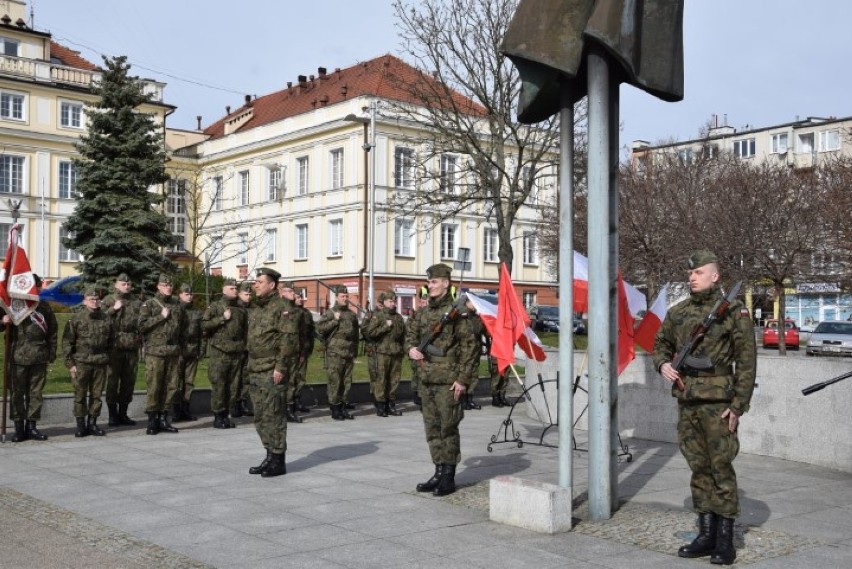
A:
18, 291
581, 283
646, 332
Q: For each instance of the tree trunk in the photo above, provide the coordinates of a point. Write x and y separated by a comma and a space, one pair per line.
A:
782, 327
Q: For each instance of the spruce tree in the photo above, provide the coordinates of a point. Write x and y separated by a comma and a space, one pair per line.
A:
117, 226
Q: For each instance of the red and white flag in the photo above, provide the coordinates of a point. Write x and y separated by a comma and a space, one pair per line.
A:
18, 291
581, 283
646, 332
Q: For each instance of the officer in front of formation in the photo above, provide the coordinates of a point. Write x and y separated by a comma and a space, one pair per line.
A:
339, 329
718, 390
225, 325
123, 307
384, 332
445, 378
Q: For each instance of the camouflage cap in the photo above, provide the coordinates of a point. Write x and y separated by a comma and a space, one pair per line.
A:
165, 279
701, 258
245, 286
287, 284
229, 282
186, 287
387, 295
91, 292
271, 273
439, 271
341, 289
122, 278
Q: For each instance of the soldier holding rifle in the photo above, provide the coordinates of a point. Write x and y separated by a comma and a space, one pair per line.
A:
718, 380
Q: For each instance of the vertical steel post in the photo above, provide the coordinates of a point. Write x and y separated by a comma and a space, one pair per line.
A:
372, 228
612, 236
565, 409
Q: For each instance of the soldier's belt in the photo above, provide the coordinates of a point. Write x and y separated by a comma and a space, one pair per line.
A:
717, 371
257, 355
439, 359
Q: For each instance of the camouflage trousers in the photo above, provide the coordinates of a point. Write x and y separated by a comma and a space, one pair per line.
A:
385, 377
297, 377
121, 376
27, 384
187, 369
88, 388
161, 379
709, 449
270, 406
441, 417
339, 372
498, 382
225, 372
415, 376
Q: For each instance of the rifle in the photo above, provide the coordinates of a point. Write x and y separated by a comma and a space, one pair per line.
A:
684, 357
823, 384
438, 328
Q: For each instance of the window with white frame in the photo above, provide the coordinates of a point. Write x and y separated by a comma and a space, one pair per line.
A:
9, 47
216, 198
449, 242
530, 245
303, 171
489, 245
779, 143
11, 174
829, 140
529, 299
335, 237
71, 114
336, 168
242, 248
243, 194
403, 242
302, 241
67, 180
66, 254
744, 148
176, 212
215, 250
5, 228
12, 105
271, 244
273, 184
403, 168
805, 143
449, 169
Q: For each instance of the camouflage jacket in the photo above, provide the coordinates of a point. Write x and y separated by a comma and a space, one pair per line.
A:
456, 342
192, 331
341, 335
88, 338
34, 339
228, 336
273, 334
309, 331
163, 336
482, 339
381, 337
125, 319
729, 344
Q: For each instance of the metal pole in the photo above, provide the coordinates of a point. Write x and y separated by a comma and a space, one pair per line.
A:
613, 299
600, 284
565, 408
367, 148
372, 229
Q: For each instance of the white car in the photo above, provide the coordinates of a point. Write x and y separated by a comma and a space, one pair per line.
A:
831, 339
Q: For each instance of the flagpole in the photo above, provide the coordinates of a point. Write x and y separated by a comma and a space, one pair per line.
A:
15, 207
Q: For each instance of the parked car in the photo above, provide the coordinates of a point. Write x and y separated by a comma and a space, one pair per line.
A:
546, 318
66, 291
791, 334
831, 339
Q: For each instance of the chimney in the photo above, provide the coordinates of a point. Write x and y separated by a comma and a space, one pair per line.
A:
289, 84
248, 100
321, 71
228, 110
302, 79
198, 118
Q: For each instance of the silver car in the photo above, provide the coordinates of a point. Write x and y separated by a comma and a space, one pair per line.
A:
831, 339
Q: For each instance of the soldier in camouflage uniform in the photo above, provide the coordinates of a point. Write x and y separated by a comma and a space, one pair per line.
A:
421, 302
308, 337
86, 343
32, 347
190, 356
225, 325
709, 409
445, 379
161, 322
384, 332
123, 307
287, 293
477, 328
273, 351
339, 329
241, 390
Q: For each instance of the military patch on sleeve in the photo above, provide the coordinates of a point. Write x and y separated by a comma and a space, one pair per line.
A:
744, 313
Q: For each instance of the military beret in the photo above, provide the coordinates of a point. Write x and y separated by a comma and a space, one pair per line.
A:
439, 271
165, 279
287, 284
245, 286
701, 258
341, 289
186, 287
90, 292
122, 278
387, 295
271, 273
229, 282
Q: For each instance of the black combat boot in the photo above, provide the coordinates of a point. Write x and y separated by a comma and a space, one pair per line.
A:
264, 463
472, 404
380, 409
349, 406
301, 408
33, 433
432, 483
187, 415
705, 541
237, 410
291, 414
20, 432
344, 414
177, 413
82, 430
276, 466
506, 402
725, 553
112, 410
153, 424
123, 419
496, 401
219, 421
416, 399
465, 403
93, 427
391, 409
335, 413
165, 424
447, 482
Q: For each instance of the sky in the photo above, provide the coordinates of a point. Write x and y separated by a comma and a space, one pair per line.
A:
754, 62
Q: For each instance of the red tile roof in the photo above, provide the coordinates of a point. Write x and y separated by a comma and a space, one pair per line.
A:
386, 77
70, 57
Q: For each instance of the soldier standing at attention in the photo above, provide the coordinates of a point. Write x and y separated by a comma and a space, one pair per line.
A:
444, 380
710, 407
161, 322
241, 389
33, 346
123, 307
86, 343
384, 331
191, 354
225, 325
339, 327
308, 337
273, 351
287, 293
421, 302
477, 328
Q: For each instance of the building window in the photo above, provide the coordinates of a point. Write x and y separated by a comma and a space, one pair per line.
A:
71, 114
779, 143
243, 249
829, 140
449, 169
529, 299
335, 237
273, 184
805, 143
244, 188
686, 156
303, 175
176, 213
530, 248
9, 47
302, 241
403, 168
449, 243
489, 245
744, 148
66, 254
215, 250
271, 244
11, 174
336, 168
216, 201
403, 243
5, 228
11, 106
67, 180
